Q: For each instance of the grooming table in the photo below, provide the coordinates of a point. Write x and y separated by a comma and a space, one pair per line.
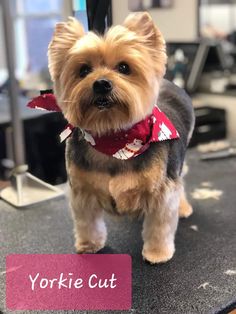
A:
200, 278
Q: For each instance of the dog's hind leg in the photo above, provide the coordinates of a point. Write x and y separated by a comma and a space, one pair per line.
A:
185, 209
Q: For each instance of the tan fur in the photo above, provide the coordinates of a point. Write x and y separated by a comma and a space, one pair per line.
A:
147, 192
160, 226
185, 209
140, 44
69, 49
138, 192
132, 192
65, 35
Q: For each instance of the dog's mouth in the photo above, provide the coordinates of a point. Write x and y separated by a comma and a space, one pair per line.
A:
103, 103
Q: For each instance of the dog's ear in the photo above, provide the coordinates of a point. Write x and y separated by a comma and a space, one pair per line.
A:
142, 24
64, 37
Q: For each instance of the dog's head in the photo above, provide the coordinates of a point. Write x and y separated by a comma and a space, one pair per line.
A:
107, 83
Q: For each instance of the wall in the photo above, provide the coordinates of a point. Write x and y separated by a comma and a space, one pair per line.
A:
221, 17
178, 23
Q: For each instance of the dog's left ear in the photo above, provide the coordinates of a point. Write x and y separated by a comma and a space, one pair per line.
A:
142, 24
64, 37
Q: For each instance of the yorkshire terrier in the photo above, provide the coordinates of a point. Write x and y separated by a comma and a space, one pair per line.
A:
131, 131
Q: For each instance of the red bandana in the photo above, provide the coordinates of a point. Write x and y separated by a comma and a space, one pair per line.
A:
124, 144
45, 102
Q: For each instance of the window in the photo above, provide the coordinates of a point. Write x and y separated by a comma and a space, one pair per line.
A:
34, 24
79, 7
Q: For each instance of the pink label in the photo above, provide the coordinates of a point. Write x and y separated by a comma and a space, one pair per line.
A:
68, 282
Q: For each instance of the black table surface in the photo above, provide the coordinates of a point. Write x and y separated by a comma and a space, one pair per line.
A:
199, 279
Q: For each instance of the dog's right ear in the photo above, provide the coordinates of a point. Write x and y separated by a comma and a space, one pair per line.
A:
64, 37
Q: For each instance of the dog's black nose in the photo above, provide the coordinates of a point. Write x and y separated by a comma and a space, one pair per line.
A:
102, 86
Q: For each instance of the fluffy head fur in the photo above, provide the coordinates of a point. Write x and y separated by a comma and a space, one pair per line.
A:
137, 43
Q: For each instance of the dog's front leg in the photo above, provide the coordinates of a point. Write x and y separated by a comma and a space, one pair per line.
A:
89, 226
160, 225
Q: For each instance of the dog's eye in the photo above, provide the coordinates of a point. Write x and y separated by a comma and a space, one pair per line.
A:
85, 70
123, 68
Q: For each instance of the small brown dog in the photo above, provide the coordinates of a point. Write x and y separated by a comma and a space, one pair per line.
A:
107, 88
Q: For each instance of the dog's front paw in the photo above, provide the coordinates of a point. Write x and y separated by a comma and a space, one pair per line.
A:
155, 256
88, 247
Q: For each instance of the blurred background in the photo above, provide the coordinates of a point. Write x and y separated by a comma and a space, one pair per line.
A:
201, 43
201, 46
